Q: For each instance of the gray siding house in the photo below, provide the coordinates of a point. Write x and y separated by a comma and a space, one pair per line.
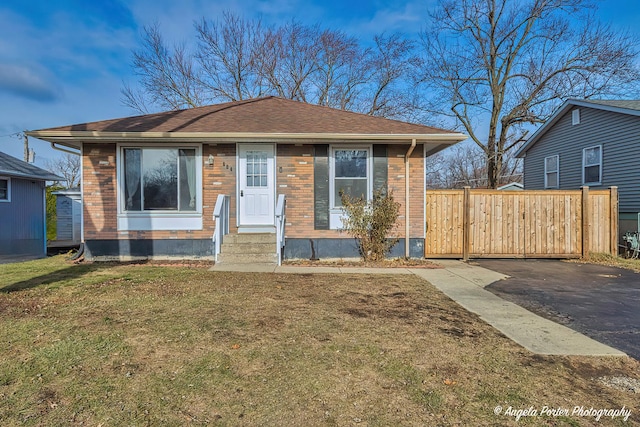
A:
23, 225
593, 143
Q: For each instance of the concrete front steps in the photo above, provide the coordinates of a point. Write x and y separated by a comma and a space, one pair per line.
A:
256, 249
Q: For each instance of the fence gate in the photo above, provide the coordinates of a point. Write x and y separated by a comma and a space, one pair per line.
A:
526, 224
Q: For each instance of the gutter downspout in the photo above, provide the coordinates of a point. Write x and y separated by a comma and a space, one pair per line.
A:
44, 214
53, 145
406, 197
82, 242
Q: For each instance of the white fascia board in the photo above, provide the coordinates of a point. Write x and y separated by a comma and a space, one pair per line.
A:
69, 137
69, 142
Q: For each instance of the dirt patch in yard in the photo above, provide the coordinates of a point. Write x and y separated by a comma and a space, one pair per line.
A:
387, 263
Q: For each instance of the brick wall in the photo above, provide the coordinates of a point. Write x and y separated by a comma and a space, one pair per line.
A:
99, 191
296, 182
396, 177
219, 179
100, 195
294, 178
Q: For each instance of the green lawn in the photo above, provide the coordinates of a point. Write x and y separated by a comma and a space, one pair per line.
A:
108, 344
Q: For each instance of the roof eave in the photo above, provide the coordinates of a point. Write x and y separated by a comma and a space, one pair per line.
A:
74, 138
543, 129
566, 106
19, 175
604, 107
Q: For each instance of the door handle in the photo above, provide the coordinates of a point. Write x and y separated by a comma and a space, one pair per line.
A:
241, 193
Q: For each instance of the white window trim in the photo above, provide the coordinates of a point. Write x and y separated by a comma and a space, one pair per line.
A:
584, 165
8, 199
547, 172
159, 220
336, 213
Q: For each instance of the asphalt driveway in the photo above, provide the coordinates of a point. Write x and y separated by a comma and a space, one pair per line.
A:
599, 301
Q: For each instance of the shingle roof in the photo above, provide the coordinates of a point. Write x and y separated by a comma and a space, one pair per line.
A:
632, 104
259, 115
10, 166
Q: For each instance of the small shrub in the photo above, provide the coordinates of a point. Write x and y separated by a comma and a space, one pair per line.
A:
52, 215
371, 223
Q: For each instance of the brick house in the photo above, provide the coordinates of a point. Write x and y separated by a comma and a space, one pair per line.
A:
151, 184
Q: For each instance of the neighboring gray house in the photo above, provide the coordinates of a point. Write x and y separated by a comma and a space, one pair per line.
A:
23, 225
593, 143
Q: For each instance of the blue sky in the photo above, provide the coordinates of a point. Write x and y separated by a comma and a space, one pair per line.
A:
64, 61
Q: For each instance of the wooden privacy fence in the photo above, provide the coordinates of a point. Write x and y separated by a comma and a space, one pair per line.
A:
525, 224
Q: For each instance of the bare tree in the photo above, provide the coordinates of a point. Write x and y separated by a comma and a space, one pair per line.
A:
463, 165
228, 54
388, 65
459, 166
510, 63
290, 59
168, 78
236, 59
68, 167
339, 69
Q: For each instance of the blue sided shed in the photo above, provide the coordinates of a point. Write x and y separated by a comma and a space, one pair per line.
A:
23, 225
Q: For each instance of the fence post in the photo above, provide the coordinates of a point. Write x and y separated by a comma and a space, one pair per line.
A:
466, 223
585, 222
613, 199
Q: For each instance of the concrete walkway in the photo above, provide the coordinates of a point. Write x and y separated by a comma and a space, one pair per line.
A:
465, 284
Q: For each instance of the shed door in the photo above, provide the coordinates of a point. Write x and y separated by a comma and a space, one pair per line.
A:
64, 212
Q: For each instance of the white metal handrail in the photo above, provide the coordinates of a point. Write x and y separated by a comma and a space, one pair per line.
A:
281, 220
221, 217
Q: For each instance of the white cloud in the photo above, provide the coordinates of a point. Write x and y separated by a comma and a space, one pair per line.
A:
24, 82
405, 17
61, 68
176, 19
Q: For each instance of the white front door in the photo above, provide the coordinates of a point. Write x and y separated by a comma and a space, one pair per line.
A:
256, 190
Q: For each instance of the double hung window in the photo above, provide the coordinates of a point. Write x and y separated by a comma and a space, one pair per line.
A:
5, 190
351, 175
551, 172
592, 165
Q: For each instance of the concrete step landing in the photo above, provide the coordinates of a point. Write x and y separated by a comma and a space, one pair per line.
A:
248, 248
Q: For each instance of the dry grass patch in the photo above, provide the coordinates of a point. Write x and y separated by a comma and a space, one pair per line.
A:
148, 345
611, 261
355, 262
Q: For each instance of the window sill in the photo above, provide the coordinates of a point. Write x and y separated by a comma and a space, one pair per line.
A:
159, 221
